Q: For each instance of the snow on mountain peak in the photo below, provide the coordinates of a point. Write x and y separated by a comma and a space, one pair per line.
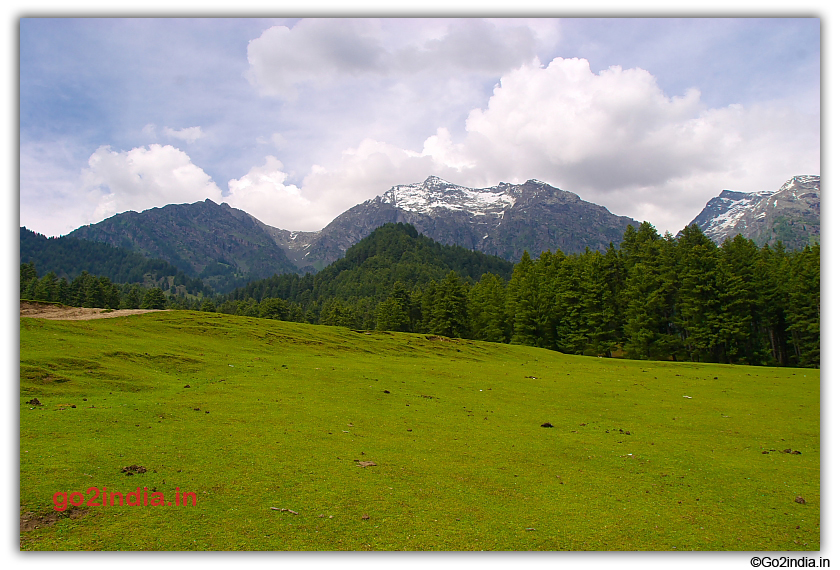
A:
794, 206
435, 193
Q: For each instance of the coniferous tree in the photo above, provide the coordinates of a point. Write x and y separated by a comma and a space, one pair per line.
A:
391, 316
530, 304
613, 279
274, 308
28, 275
697, 308
132, 298
154, 299
334, 312
571, 290
650, 295
803, 307
486, 309
394, 313
772, 275
449, 311
739, 318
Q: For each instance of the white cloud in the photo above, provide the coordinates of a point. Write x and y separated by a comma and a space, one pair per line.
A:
188, 134
314, 49
614, 138
50, 202
324, 51
143, 178
263, 193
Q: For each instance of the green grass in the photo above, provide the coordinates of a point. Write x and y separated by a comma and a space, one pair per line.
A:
462, 462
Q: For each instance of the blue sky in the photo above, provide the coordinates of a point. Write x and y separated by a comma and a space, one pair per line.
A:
294, 121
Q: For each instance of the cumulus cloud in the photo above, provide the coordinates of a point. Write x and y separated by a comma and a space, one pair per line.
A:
612, 137
322, 51
263, 193
314, 49
49, 185
618, 140
142, 178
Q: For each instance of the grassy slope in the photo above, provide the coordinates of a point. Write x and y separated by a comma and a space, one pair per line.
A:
462, 462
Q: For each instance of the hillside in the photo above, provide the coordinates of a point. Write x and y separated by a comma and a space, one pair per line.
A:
67, 257
223, 246
392, 267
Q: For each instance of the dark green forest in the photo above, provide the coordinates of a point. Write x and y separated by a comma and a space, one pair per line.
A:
68, 257
652, 298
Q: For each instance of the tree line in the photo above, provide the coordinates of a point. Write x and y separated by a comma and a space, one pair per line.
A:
68, 257
88, 290
654, 297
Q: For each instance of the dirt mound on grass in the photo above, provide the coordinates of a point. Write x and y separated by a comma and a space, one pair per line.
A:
31, 521
65, 313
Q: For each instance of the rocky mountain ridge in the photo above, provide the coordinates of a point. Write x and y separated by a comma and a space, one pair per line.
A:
790, 214
223, 246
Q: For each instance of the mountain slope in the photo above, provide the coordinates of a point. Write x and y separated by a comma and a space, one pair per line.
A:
371, 267
68, 257
221, 245
503, 220
791, 214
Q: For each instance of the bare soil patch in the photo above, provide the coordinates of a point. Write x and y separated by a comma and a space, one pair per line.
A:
65, 313
31, 521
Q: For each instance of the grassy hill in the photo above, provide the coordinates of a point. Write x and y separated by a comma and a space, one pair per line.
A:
270, 424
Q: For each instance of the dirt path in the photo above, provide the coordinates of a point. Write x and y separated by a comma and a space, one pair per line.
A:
64, 313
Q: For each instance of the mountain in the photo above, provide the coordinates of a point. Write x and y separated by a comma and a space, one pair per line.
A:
502, 220
223, 246
790, 214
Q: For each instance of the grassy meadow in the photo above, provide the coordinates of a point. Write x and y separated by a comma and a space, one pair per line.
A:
277, 429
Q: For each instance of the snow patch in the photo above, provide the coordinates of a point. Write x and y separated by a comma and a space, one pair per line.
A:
434, 193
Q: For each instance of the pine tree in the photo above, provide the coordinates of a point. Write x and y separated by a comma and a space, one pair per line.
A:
274, 308
698, 306
394, 314
531, 301
486, 309
449, 312
772, 276
804, 306
391, 316
28, 278
572, 336
739, 316
155, 299
650, 294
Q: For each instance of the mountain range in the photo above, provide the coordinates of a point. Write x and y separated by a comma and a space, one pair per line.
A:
227, 247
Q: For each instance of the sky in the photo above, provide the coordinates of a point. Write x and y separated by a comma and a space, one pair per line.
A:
297, 120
